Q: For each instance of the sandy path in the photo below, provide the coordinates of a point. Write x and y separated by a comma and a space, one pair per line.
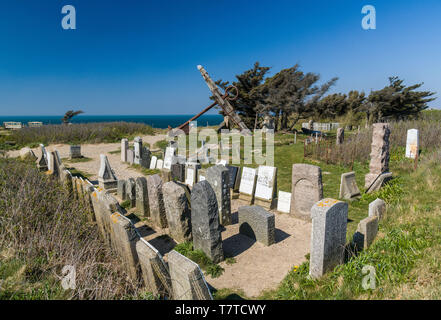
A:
93, 151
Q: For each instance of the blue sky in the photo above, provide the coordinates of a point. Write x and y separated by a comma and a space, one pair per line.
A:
140, 57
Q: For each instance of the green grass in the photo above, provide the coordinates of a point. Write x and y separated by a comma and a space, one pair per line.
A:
198, 256
145, 171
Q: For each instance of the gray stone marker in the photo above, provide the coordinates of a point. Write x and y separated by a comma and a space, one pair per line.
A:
366, 232
154, 270
178, 172
177, 210
142, 199
257, 223
307, 189
218, 178
379, 163
340, 136
377, 208
52, 166
106, 178
380, 181
130, 156
138, 150
206, 229
121, 189
188, 281
75, 152
328, 236
156, 201
131, 191
145, 157
124, 148
348, 186
234, 174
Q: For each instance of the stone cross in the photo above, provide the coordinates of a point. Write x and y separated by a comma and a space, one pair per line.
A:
307, 189
206, 229
177, 210
218, 177
379, 163
106, 178
328, 236
124, 148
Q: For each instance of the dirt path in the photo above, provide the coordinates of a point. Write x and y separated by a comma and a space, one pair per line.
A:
93, 151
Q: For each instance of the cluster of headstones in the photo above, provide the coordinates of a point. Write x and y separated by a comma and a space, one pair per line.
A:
139, 154
178, 278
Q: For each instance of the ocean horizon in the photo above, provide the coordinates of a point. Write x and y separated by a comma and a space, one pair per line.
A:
156, 121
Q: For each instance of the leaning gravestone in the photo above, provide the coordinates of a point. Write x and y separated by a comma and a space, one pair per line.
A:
328, 236
177, 211
307, 189
257, 223
178, 172
106, 178
412, 143
206, 229
218, 178
284, 202
121, 189
366, 232
131, 191
379, 163
156, 201
153, 162
266, 186
247, 185
377, 208
142, 199
42, 161
187, 279
124, 148
348, 186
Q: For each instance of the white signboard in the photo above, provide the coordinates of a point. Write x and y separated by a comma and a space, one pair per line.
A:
247, 181
159, 164
189, 179
153, 162
265, 182
284, 202
412, 143
168, 158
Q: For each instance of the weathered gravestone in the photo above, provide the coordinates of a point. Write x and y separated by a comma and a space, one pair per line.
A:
379, 163
380, 181
348, 186
145, 157
142, 199
187, 279
178, 172
154, 270
159, 164
234, 173
51, 164
340, 136
75, 152
124, 148
138, 150
266, 186
156, 201
191, 173
257, 223
26, 153
177, 210
247, 184
153, 162
106, 178
218, 178
377, 208
206, 229
169, 157
131, 191
130, 156
366, 232
121, 189
328, 236
412, 143
202, 175
42, 161
307, 189
284, 202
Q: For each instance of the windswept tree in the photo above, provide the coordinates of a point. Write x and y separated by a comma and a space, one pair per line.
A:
351, 106
69, 115
397, 102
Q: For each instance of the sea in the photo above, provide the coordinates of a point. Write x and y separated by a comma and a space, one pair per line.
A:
156, 121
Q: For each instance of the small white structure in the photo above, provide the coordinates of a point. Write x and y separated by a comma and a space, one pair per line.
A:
412, 143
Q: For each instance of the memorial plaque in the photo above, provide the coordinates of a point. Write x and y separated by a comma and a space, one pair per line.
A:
284, 202
266, 178
189, 179
248, 181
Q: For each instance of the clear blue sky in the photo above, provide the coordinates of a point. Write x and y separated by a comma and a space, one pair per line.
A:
140, 57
